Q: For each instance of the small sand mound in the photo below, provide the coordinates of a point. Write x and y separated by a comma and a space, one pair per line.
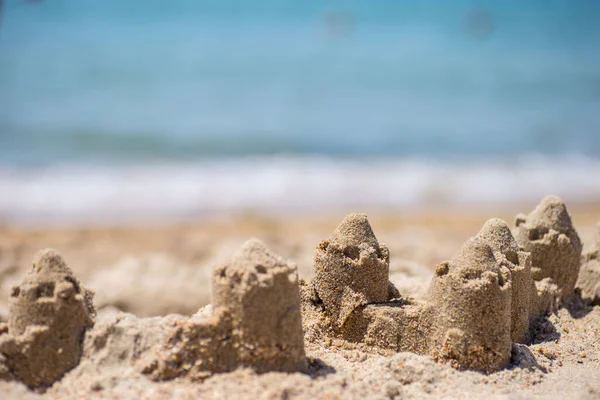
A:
49, 314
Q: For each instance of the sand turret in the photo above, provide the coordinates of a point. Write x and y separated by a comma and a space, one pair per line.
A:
588, 282
49, 313
260, 290
498, 236
471, 299
255, 323
548, 234
351, 269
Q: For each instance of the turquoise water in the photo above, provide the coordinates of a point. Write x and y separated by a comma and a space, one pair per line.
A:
97, 81
119, 110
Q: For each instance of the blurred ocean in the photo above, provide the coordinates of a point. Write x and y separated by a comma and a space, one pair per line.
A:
142, 108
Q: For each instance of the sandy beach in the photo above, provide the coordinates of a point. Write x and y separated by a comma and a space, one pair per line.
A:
141, 275
299, 200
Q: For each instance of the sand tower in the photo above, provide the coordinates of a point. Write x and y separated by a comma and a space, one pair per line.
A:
48, 315
589, 276
471, 299
351, 269
260, 291
548, 234
255, 322
497, 235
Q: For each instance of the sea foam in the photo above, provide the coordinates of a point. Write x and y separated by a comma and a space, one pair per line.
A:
74, 193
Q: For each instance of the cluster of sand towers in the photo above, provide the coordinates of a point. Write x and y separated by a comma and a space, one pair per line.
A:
480, 302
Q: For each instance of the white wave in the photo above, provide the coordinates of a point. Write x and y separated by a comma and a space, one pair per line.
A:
135, 193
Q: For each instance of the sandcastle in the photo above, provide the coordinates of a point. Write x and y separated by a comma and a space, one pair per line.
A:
588, 282
479, 303
255, 323
49, 314
548, 234
466, 320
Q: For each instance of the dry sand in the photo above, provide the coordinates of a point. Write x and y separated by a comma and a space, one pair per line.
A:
154, 271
